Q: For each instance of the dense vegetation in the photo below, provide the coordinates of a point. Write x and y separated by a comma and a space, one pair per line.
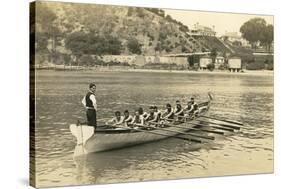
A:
91, 43
257, 30
98, 29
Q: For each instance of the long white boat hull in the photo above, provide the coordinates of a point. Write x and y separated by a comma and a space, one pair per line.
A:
89, 140
103, 142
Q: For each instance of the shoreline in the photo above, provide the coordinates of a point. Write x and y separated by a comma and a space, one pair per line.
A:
130, 70
216, 72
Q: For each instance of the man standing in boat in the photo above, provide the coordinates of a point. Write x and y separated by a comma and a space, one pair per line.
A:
90, 103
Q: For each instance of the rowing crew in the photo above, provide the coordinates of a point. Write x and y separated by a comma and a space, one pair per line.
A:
178, 113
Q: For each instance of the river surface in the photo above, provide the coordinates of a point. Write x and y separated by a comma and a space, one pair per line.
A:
246, 98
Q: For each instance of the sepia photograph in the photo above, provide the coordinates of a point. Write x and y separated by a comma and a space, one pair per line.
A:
124, 94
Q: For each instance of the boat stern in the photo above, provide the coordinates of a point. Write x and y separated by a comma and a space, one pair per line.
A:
82, 134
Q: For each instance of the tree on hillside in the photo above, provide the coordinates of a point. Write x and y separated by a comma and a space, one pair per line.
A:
46, 19
134, 46
253, 30
91, 43
214, 54
86, 60
77, 42
159, 12
169, 18
130, 11
183, 28
140, 13
113, 44
267, 36
41, 41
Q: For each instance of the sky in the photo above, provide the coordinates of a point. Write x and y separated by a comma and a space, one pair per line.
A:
223, 22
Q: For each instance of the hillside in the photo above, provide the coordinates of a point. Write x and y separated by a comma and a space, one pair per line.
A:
211, 42
154, 32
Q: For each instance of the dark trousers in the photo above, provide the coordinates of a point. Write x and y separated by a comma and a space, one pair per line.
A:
92, 117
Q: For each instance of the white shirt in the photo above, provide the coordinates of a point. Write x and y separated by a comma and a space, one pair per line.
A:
141, 120
129, 118
115, 121
92, 98
167, 114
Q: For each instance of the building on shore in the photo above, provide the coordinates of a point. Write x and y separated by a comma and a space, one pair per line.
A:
235, 39
200, 30
234, 64
220, 61
204, 61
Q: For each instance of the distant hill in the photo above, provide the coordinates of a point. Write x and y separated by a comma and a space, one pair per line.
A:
128, 30
155, 32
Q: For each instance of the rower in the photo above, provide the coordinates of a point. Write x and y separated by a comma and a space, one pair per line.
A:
127, 118
178, 110
156, 117
187, 109
142, 113
137, 119
157, 114
168, 114
151, 114
117, 120
194, 111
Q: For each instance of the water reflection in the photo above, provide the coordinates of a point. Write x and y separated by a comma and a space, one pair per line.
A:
133, 159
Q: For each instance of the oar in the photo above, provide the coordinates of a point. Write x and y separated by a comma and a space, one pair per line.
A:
217, 127
197, 124
178, 137
204, 130
224, 120
224, 125
102, 119
179, 132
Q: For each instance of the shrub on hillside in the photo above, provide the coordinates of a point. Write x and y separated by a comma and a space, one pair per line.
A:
86, 60
270, 66
134, 46
255, 66
211, 67
130, 11
140, 12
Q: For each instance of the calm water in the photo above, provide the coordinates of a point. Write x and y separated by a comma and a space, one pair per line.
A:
58, 104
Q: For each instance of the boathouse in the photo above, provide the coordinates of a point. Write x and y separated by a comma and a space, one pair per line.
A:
234, 64
204, 61
220, 60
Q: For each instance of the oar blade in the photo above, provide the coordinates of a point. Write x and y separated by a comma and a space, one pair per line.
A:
234, 122
220, 124
224, 120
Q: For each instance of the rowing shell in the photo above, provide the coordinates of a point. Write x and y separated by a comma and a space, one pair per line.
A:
108, 138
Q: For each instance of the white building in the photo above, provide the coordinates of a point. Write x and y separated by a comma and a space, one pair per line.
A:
220, 60
234, 64
204, 61
200, 30
235, 37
